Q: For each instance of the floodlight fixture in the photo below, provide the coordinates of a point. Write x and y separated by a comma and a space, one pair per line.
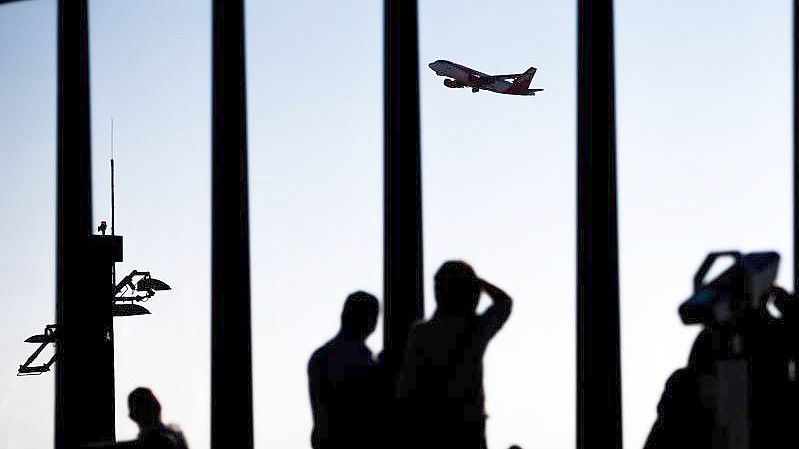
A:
129, 310
138, 286
41, 338
149, 283
48, 336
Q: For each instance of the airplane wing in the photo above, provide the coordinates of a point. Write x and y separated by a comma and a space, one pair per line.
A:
505, 77
512, 77
482, 78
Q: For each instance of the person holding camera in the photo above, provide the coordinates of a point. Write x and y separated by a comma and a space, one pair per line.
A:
440, 384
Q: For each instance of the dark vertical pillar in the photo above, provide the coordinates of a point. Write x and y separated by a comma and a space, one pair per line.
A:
231, 359
402, 203
598, 358
84, 405
795, 147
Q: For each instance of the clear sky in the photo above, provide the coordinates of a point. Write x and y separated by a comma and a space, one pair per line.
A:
703, 113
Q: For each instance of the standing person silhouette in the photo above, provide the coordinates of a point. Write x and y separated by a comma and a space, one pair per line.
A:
343, 380
145, 411
440, 385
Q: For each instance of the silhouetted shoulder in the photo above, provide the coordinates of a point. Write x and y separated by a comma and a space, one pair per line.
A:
419, 326
419, 331
317, 358
319, 352
163, 438
680, 392
682, 421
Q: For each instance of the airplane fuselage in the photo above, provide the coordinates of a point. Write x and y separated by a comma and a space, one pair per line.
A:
468, 77
462, 76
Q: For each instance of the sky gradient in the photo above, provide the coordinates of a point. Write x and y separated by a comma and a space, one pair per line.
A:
703, 115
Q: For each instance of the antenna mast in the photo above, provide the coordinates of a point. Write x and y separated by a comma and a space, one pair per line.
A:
113, 265
112, 176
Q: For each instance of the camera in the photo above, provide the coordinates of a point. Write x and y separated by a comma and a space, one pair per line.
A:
739, 292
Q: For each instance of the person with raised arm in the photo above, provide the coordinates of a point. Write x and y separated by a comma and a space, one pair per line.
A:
440, 385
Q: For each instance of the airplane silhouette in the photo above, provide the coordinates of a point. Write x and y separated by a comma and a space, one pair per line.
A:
462, 76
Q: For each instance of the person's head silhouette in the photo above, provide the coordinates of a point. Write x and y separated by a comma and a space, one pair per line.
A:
145, 410
359, 317
457, 289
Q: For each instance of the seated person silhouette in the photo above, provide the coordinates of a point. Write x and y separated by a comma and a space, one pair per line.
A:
440, 385
145, 411
343, 381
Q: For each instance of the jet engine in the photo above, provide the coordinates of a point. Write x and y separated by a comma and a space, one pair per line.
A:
452, 83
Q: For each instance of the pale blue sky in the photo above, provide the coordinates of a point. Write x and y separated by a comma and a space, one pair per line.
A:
703, 113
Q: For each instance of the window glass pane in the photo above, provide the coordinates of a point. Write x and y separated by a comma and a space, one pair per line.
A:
315, 127
27, 238
499, 180
150, 73
704, 114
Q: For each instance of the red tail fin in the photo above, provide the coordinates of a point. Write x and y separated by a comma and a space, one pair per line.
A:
521, 83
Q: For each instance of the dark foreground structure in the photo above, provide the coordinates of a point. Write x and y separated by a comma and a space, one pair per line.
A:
598, 375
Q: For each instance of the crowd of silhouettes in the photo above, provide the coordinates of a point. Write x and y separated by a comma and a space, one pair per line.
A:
435, 397
438, 391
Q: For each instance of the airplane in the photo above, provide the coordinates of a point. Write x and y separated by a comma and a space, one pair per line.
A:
461, 76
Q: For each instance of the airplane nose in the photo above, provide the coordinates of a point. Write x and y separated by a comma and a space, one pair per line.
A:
431, 65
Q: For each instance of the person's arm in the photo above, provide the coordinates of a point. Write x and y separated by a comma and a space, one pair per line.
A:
314, 388
498, 312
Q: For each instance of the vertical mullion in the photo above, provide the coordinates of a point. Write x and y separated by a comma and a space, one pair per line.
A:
402, 202
231, 358
795, 178
598, 347
73, 226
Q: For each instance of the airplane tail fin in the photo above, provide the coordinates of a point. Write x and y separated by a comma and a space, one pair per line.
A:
521, 83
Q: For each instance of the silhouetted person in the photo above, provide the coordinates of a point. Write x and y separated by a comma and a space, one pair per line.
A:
440, 385
687, 409
685, 414
343, 381
145, 411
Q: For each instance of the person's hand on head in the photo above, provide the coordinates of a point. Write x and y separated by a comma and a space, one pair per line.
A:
487, 287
